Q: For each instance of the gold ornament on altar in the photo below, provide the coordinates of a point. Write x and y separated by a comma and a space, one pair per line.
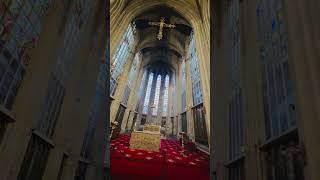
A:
161, 25
147, 141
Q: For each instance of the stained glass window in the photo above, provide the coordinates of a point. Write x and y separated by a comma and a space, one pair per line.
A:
120, 57
147, 98
156, 96
131, 77
133, 70
194, 73
20, 26
165, 96
279, 103
198, 109
62, 71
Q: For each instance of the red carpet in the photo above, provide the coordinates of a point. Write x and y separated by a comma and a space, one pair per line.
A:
168, 164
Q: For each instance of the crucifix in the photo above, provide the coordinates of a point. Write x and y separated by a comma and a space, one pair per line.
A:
161, 25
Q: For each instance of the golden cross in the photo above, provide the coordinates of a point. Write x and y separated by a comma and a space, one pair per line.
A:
161, 25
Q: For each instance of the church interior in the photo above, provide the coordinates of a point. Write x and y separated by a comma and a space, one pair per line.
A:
158, 114
159, 90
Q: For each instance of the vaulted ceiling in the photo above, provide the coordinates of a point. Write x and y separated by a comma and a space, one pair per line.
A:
171, 47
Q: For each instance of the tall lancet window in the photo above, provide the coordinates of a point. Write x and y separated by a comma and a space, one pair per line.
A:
28, 23
147, 98
279, 104
20, 26
278, 96
156, 96
195, 73
63, 68
121, 56
165, 96
198, 109
131, 77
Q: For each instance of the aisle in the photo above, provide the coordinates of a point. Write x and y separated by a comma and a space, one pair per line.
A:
168, 164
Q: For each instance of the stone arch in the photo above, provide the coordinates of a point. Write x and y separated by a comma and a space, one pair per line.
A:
125, 15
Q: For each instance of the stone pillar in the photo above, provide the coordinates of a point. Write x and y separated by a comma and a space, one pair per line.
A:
134, 95
173, 107
161, 98
250, 73
189, 100
170, 101
178, 98
151, 99
126, 117
141, 99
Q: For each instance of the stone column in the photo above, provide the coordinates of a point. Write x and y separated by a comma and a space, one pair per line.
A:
141, 99
134, 96
174, 108
126, 117
151, 99
161, 98
189, 101
250, 73
169, 110
178, 98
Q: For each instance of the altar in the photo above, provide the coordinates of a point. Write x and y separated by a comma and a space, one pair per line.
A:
148, 139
